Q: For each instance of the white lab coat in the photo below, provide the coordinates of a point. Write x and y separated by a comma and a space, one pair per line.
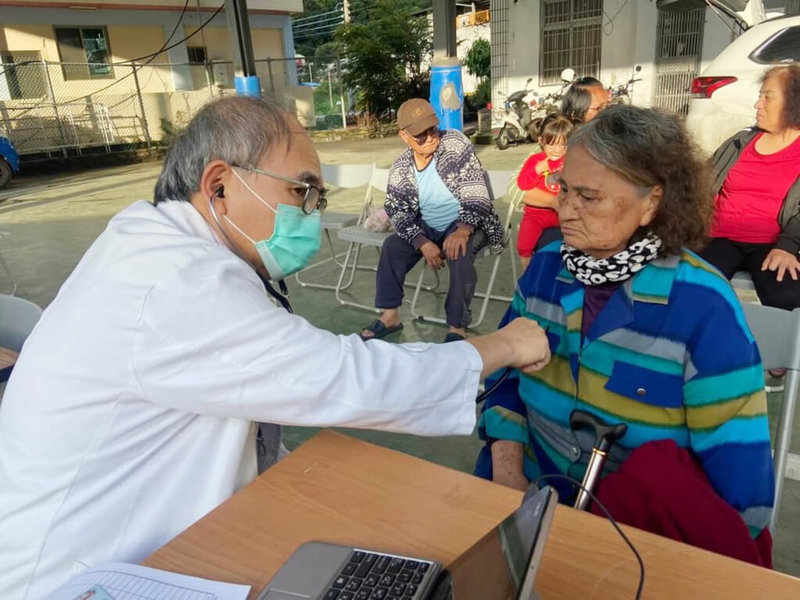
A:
130, 412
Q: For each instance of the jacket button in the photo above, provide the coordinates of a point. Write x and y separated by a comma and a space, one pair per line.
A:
576, 452
641, 392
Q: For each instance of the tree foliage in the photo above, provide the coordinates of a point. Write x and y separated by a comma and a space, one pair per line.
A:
384, 55
479, 59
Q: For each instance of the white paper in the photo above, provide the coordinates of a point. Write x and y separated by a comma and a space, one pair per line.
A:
131, 582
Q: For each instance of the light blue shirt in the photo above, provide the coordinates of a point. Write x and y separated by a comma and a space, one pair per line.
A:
438, 205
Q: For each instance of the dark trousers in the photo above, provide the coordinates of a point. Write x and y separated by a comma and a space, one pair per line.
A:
399, 257
729, 257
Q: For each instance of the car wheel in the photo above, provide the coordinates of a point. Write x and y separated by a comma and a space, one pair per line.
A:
5, 173
502, 140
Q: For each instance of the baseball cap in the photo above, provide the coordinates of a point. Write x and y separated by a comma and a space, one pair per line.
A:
416, 115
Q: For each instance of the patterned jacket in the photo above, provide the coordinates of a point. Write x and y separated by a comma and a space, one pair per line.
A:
462, 173
670, 354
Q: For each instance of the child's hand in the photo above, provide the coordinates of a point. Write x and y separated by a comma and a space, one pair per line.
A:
541, 167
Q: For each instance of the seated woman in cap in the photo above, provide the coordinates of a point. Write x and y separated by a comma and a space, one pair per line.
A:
441, 208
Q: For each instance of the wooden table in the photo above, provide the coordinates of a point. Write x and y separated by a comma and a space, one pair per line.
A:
334, 488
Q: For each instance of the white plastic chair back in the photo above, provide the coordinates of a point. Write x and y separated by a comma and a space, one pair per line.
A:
17, 319
777, 332
347, 176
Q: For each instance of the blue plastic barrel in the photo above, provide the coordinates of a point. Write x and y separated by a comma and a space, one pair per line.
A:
447, 93
247, 86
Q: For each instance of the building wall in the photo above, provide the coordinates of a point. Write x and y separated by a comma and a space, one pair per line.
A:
628, 38
171, 89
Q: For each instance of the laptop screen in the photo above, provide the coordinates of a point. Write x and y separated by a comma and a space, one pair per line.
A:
502, 565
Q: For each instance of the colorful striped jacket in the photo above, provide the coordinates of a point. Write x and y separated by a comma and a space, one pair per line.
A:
670, 354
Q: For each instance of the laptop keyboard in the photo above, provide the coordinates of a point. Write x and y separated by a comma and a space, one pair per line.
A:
373, 576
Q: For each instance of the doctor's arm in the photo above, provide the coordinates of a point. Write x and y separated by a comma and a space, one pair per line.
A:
226, 351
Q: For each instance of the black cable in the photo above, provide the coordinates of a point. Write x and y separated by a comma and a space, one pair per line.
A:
486, 393
179, 42
577, 483
503, 376
135, 68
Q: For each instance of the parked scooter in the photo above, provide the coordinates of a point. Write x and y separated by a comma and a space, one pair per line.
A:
623, 94
516, 119
522, 119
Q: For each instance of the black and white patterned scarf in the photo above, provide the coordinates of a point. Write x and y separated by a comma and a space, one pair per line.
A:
623, 265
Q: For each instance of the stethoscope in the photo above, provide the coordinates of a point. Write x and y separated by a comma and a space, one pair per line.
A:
281, 297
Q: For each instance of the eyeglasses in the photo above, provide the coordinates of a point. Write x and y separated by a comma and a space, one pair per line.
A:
423, 137
314, 197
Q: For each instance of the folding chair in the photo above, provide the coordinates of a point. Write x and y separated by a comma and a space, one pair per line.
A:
358, 236
743, 281
17, 319
342, 177
777, 332
498, 184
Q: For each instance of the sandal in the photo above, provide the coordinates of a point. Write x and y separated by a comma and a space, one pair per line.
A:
379, 330
452, 336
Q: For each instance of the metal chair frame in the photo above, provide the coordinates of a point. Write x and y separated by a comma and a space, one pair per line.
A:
342, 177
777, 332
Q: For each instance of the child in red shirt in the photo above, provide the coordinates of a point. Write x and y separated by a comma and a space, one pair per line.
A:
540, 189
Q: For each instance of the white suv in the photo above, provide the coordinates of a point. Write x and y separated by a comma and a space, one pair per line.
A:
725, 92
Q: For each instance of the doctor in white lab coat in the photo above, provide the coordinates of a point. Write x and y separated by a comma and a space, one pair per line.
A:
130, 413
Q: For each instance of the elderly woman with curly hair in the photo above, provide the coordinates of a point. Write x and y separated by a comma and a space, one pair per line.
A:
756, 225
642, 331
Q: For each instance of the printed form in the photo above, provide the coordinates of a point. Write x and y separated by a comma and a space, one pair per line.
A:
121, 581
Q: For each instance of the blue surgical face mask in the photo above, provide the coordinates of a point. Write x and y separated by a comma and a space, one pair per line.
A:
295, 238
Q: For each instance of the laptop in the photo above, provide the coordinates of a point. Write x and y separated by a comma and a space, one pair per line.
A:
502, 565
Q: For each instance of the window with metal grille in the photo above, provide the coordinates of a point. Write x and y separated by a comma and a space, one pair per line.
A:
197, 54
84, 52
571, 34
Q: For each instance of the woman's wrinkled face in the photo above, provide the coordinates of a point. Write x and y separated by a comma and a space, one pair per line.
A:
769, 107
600, 211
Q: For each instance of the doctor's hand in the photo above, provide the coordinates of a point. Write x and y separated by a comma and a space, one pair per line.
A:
783, 262
522, 344
432, 255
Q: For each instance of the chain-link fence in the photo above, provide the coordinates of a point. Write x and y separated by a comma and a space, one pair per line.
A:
51, 107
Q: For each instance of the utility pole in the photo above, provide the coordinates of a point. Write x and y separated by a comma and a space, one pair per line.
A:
246, 80
346, 10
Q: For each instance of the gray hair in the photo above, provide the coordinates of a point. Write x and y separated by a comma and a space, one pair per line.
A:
239, 130
650, 147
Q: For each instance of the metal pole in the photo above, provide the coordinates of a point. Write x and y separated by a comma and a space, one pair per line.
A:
246, 79
330, 88
141, 108
52, 95
341, 93
271, 77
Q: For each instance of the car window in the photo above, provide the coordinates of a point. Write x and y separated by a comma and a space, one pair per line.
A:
783, 46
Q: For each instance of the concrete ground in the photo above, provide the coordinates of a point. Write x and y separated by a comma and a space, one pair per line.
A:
52, 219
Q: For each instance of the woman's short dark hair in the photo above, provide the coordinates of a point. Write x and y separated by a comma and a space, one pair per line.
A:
650, 147
789, 78
578, 98
555, 126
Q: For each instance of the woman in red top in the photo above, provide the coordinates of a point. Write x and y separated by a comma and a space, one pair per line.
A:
540, 190
756, 225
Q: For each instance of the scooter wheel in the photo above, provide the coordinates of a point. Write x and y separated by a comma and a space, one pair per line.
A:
502, 139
